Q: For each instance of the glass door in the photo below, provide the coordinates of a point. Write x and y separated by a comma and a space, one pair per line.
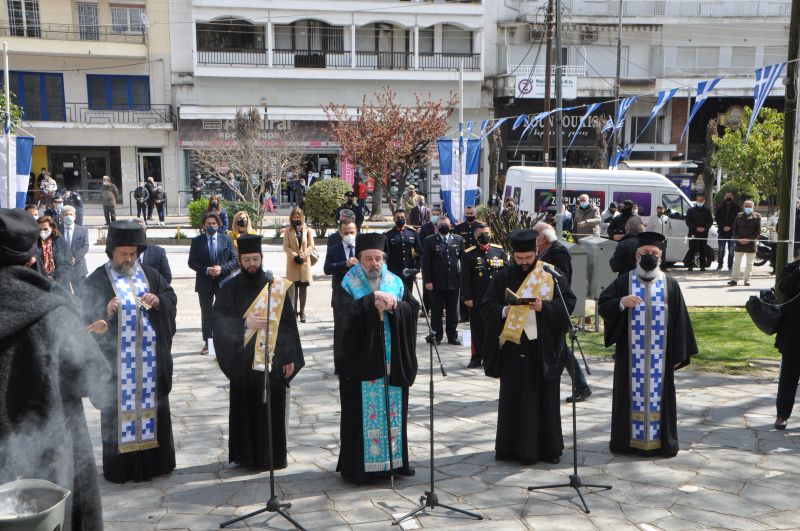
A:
150, 166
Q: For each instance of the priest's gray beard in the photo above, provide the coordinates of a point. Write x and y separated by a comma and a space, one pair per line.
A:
647, 276
127, 271
374, 277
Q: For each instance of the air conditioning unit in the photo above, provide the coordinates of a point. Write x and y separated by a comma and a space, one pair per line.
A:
536, 33
588, 35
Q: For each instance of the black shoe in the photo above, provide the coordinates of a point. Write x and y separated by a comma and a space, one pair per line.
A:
438, 340
474, 363
746, 282
582, 395
780, 423
719, 267
407, 471
454, 341
690, 269
429, 338
732, 282
553, 460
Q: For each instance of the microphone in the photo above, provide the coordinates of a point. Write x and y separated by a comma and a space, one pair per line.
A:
408, 273
552, 270
270, 276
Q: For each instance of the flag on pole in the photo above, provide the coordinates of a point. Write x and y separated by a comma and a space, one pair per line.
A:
624, 105
704, 88
470, 125
21, 155
593, 107
521, 119
496, 124
765, 80
608, 126
458, 171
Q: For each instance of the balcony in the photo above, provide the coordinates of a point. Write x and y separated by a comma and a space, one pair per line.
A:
80, 114
693, 11
75, 41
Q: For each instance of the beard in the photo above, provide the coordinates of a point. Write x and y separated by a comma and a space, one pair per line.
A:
374, 276
251, 275
126, 270
647, 276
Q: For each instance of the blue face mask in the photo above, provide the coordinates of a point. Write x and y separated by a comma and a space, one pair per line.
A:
748, 210
434, 219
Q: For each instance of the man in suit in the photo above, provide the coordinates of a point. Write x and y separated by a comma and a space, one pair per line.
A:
154, 256
212, 257
441, 273
341, 254
432, 226
77, 238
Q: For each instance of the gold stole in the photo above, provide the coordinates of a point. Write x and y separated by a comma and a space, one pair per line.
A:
280, 286
540, 284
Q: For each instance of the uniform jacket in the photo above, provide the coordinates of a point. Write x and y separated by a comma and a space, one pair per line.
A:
478, 267
441, 264
404, 250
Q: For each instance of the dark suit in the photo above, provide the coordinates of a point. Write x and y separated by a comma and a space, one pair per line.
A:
205, 285
336, 264
156, 257
624, 259
78, 246
441, 266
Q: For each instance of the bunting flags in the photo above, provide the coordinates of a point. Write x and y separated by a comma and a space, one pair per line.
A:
623, 107
765, 80
470, 125
661, 102
484, 125
497, 124
704, 88
608, 126
593, 107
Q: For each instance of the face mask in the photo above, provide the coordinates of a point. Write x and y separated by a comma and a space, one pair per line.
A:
469, 219
729, 200
584, 204
214, 204
400, 222
748, 210
69, 220
484, 238
699, 203
297, 222
211, 230
242, 222
434, 219
349, 239
58, 207
444, 229
45, 234
635, 211
648, 262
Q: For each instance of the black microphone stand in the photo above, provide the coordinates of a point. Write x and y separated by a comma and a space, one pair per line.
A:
430, 500
574, 479
273, 504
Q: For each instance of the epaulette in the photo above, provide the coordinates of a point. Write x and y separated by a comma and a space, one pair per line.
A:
496, 245
468, 249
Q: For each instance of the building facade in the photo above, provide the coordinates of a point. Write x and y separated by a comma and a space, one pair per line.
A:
93, 80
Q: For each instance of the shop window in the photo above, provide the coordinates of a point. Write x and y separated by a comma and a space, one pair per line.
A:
40, 95
654, 134
118, 92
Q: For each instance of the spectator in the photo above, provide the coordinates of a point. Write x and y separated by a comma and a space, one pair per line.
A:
77, 239
699, 221
616, 226
300, 193
197, 185
109, 195
298, 244
431, 227
350, 204
160, 200
362, 196
230, 187
141, 195
154, 255
341, 254
624, 259
566, 220
33, 211
56, 257
241, 226
409, 199
725, 215
786, 341
661, 224
215, 207
586, 221
74, 199
610, 213
151, 188
420, 214
746, 230
55, 212
49, 187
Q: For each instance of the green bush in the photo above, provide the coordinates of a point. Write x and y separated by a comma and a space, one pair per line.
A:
196, 209
741, 189
322, 200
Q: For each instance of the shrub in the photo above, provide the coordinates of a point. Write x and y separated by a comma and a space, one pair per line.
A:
741, 189
196, 209
322, 200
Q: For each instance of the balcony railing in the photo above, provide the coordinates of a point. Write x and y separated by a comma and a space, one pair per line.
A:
539, 70
81, 113
695, 9
311, 59
66, 32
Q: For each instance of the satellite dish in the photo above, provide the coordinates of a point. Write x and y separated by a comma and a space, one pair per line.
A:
145, 20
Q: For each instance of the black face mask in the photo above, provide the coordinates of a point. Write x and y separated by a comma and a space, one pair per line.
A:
469, 219
484, 238
242, 222
297, 222
627, 211
648, 262
400, 222
214, 204
729, 200
444, 229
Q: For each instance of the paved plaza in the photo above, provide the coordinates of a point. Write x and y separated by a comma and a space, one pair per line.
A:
734, 470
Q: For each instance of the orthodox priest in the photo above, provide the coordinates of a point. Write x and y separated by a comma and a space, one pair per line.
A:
526, 319
646, 318
375, 333
240, 339
139, 306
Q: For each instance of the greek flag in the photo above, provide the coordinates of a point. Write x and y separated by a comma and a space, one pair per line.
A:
521, 119
458, 171
496, 124
663, 99
704, 88
593, 107
624, 105
765, 80
21, 155
608, 126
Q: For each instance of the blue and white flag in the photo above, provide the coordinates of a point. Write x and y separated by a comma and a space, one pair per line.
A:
484, 125
468, 130
593, 107
521, 119
21, 155
496, 124
608, 126
765, 80
458, 171
623, 107
663, 99
704, 88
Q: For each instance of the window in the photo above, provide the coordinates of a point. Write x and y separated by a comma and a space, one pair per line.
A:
654, 134
315, 36
232, 35
698, 57
775, 54
643, 200
23, 17
127, 19
88, 22
743, 56
118, 92
456, 40
426, 40
687, 56
676, 206
40, 95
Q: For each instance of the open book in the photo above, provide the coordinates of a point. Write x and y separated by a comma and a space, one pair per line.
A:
515, 300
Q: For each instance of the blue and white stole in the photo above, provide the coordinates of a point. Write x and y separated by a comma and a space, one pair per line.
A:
648, 340
373, 399
137, 400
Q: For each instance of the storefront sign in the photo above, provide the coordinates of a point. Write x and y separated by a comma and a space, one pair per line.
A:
273, 133
533, 87
348, 170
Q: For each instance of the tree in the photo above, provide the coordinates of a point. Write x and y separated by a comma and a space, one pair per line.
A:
712, 127
386, 139
495, 142
760, 159
600, 152
16, 110
322, 199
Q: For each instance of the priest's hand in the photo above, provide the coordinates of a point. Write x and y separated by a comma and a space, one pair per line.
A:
429, 286
629, 301
112, 307
469, 303
288, 370
150, 299
385, 301
536, 305
255, 322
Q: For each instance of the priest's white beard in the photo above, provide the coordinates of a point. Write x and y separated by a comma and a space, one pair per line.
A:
126, 270
647, 276
374, 277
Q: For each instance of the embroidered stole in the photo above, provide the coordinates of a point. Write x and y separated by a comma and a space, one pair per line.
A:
137, 395
539, 283
648, 340
277, 294
373, 399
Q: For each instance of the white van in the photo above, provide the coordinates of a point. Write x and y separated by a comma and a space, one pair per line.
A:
533, 189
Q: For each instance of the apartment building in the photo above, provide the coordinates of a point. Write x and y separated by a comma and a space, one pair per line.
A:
93, 80
289, 58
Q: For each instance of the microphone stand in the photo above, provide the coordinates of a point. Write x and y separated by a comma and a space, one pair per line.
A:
429, 499
273, 505
574, 479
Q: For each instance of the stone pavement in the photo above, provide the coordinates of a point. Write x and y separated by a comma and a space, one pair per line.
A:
734, 470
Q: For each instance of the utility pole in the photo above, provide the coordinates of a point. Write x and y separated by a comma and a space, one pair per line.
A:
11, 200
614, 132
548, 72
559, 131
791, 145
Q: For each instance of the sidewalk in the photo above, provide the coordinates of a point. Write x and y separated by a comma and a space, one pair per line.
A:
734, 470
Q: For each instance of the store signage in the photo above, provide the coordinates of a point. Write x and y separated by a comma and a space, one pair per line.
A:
533, 87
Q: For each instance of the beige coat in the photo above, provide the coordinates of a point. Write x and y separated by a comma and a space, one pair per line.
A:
292, 247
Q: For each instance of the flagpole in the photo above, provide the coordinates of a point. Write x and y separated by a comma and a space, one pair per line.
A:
462, 175
10, 200
559, 131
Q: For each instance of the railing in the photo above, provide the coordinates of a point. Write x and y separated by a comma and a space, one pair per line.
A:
385, 60
81, 113
669, 8
539, 70
232, 57
311, 59
67, 32
449, 61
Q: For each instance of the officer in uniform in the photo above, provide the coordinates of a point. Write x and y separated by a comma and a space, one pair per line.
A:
479, 264
466, 229
404, 249
441, 254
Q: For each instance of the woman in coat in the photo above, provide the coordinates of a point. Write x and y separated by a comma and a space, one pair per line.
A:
241, 225
298, 243
54, 253
215, 206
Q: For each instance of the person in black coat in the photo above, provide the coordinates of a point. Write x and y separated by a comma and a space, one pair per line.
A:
624, 259
432, 227
441, 273
699, 220
405, 249
351, 205
616, 227
150, 185
155, 256
142, 196
725, 215
787, 342
77, 240
212, 256
340, 255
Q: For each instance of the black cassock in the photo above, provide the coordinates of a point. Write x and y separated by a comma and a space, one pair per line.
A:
528, 414
358, 351
95, 292
247, 442
680, 345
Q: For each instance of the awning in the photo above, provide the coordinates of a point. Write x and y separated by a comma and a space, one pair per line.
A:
665, 164
300, 114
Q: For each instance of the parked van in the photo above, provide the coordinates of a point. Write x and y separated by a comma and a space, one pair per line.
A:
533, 190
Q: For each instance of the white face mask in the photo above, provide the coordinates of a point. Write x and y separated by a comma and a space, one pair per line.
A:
68, 220
349, 239
45, 233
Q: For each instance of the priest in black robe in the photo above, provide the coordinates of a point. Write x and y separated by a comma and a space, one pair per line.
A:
144, 458
523, 346
645, 316
248, 444
375, 334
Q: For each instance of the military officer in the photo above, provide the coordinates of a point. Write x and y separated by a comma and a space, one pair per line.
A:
466, 229
479, 264
404, 249
441, 268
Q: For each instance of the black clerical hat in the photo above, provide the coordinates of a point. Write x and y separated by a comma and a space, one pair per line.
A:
651, 238
248, 244
123, 233
523, 240
370, 240
18, 235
